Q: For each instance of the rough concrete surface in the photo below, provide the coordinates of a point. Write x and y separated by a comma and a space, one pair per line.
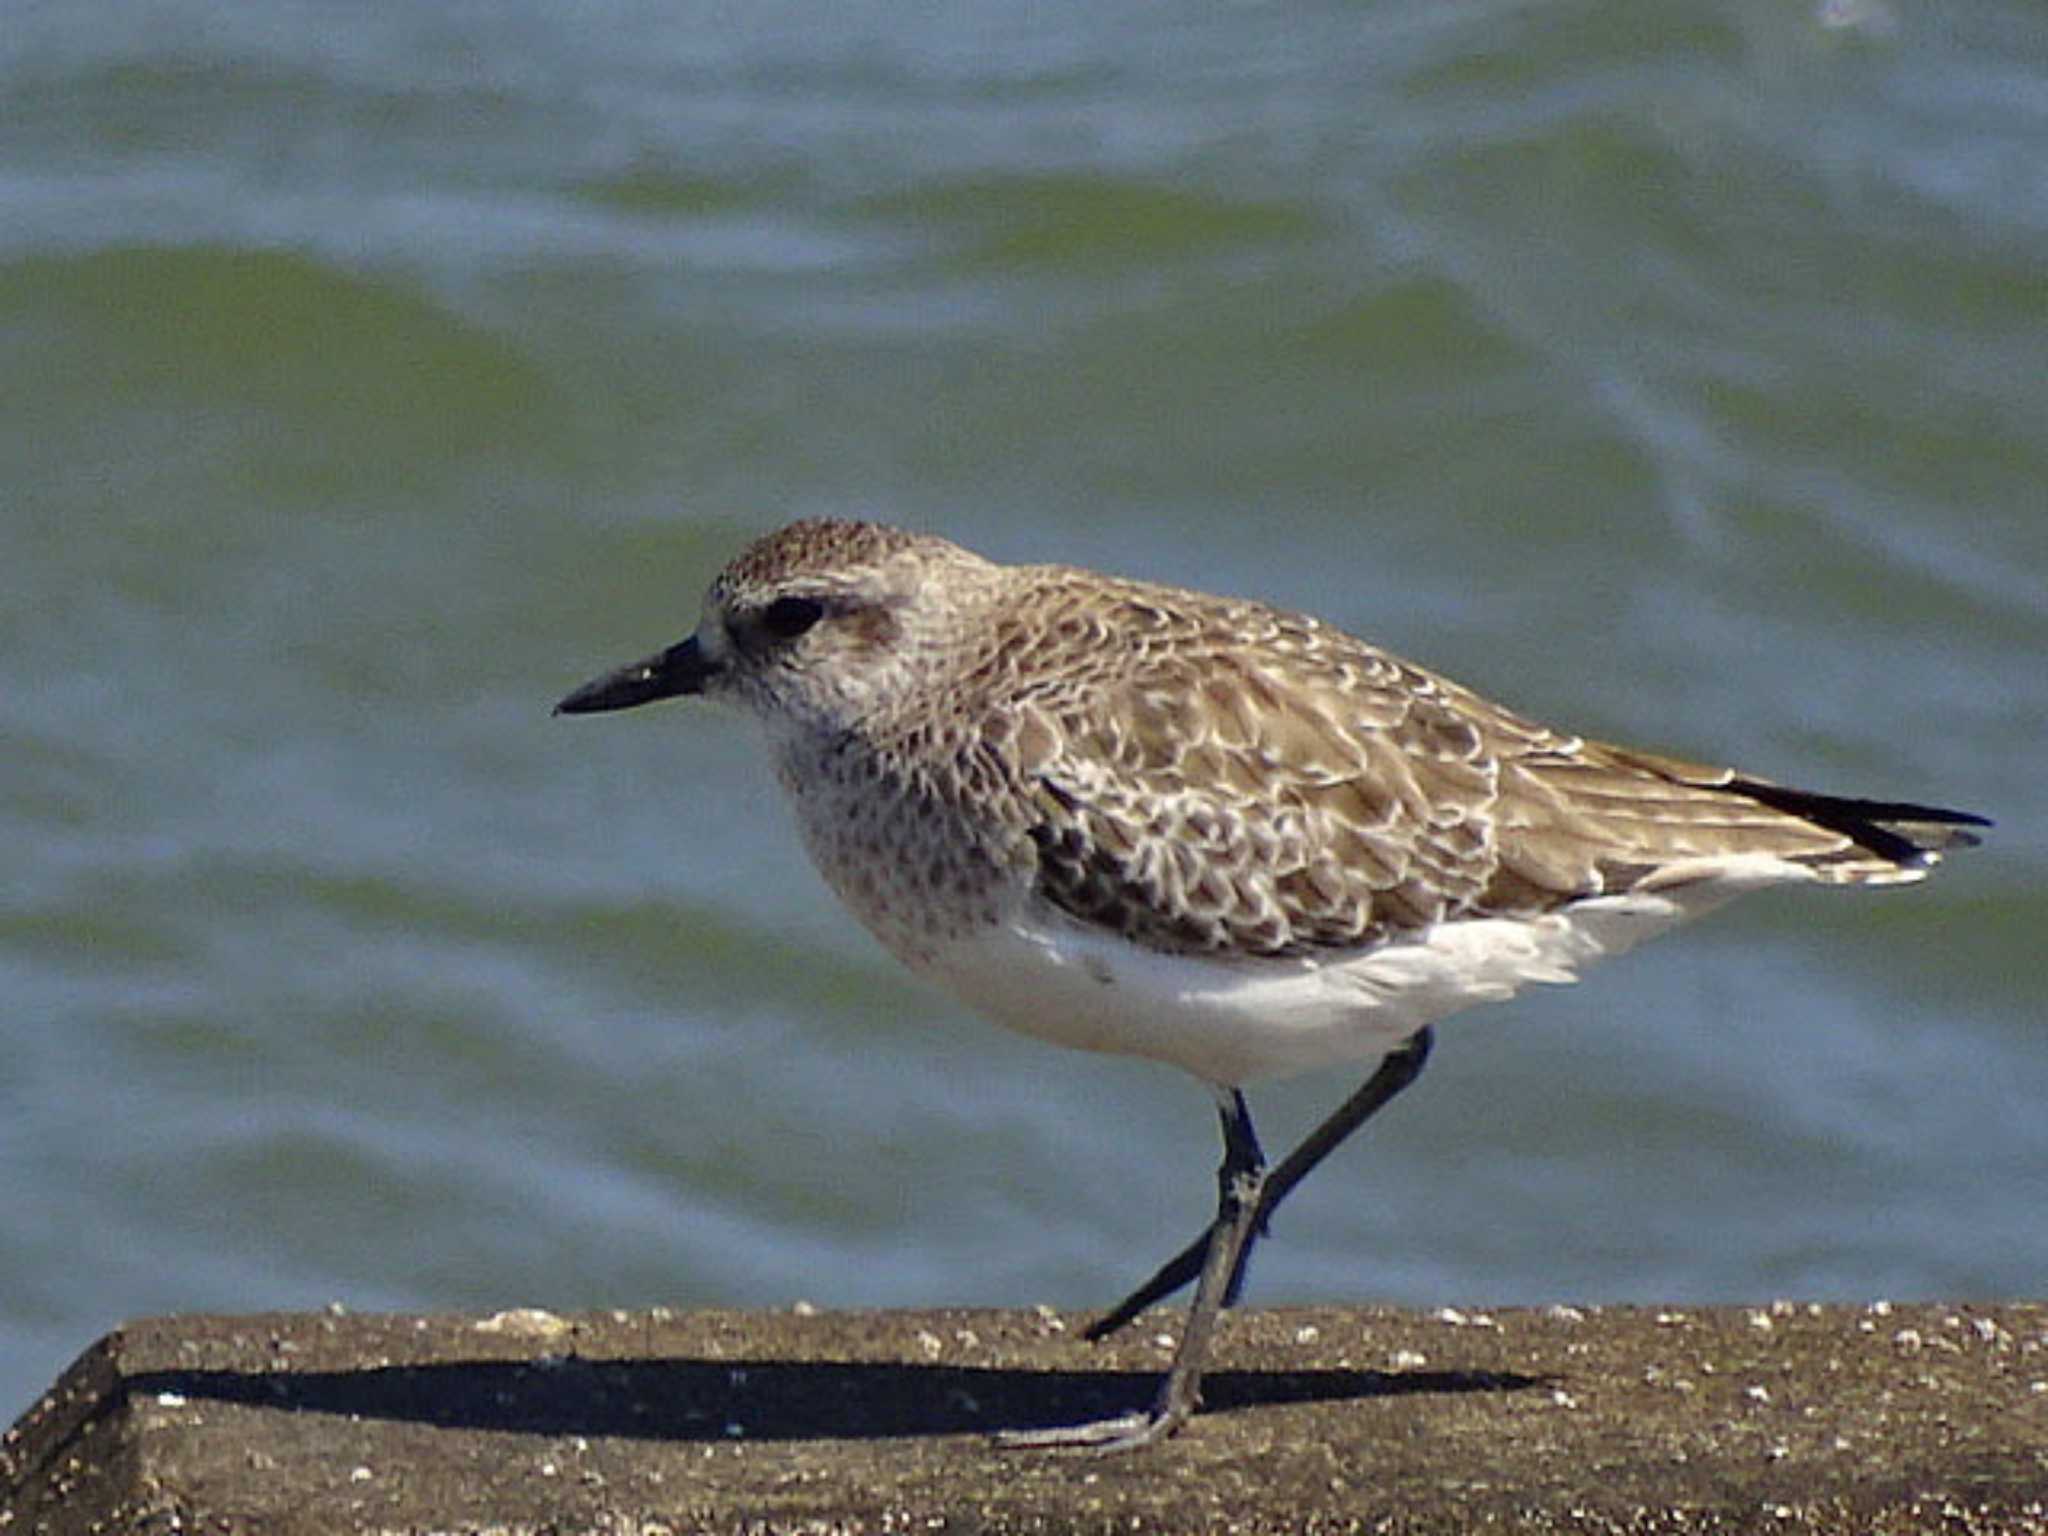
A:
1785, 1418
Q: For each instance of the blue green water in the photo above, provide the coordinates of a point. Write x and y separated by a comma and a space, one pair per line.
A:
369, 375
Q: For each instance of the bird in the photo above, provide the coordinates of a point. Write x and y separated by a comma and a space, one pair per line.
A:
1131, 818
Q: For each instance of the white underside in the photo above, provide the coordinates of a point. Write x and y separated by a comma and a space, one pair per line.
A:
1233, 1021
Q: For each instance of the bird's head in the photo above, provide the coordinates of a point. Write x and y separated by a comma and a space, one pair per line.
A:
820, 627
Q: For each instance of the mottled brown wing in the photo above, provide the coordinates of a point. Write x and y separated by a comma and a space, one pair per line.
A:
1226, 776
1223, 775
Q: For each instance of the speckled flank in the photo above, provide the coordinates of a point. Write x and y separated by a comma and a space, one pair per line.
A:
1202, 775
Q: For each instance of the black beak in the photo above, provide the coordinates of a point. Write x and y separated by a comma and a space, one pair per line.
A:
679, 670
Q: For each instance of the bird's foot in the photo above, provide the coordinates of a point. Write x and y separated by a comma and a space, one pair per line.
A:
1174, 1406
1103, 1437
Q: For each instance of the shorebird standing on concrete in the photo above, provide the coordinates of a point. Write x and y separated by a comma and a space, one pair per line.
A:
1130, 818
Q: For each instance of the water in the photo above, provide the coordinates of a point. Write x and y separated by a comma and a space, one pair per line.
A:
372, 374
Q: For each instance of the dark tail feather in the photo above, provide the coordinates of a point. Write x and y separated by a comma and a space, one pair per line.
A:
1907, 834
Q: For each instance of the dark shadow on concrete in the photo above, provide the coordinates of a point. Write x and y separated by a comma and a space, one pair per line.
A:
776, 1400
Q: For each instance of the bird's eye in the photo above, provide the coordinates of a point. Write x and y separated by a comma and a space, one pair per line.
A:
788, 617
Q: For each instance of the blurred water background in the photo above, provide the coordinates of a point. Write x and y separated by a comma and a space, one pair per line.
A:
374, 372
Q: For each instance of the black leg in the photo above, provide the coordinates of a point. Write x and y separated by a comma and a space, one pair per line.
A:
1401, 1067
1239, 1185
